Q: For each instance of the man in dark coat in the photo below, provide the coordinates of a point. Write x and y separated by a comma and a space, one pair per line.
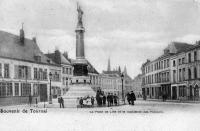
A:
129, 98
108, 99
61, 102
111, 99
81, 102
115, 99
104, 100
133, 98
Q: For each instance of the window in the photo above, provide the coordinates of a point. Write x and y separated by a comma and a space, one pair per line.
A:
2, 89
164, 63
195, 56
167, 62
45, 74
35, 73
189, 74
25, 89
40, 74
183, 60
189, 57
183, 74
147, 91
16, 89
152, 91
180, 74
179, 61
182, 91
174, 76
6, 71
174, 63
35, 89
9, 89
195, 72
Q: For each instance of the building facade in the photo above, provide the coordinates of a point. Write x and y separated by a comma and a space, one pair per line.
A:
24, 70
175, 73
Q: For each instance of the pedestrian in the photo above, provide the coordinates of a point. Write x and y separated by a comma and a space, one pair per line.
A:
133, 98
108, 99
164, 96
62, 102
30, 99
92, 101
115, 99
81, 102
36, 103
111, 99
104, 99
128, 98
59, 101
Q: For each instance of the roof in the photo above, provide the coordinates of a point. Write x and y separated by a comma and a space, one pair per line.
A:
91, 69
60, 59
180, 46
11, 47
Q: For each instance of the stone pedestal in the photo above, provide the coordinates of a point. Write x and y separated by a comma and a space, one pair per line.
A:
76, 91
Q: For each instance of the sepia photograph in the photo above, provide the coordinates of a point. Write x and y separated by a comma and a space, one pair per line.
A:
99, 65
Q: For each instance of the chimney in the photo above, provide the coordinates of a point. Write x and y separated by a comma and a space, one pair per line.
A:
57, 57
65, 54
34, 39
22, 35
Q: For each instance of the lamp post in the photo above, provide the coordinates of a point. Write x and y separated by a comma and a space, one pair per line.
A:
122, 78
50, 96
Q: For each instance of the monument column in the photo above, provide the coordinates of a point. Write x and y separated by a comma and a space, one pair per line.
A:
80, 51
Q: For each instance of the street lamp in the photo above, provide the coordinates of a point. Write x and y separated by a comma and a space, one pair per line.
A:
122, 78
50, 96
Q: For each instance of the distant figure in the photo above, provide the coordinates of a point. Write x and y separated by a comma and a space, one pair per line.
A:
92, 101
81, 102
128, 98
104, 100
36, 103
111, 99
30, 99
133, 98
115, 99
108, 99
61, 101
164, 96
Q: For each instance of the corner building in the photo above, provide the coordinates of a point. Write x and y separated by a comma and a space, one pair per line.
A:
174, 73
24, 70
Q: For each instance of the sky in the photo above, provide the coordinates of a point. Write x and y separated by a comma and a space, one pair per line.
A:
127, 31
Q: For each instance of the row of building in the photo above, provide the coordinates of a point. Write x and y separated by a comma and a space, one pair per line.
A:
175, 74
25, 70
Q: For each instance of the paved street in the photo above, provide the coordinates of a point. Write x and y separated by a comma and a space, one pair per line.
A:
145, 115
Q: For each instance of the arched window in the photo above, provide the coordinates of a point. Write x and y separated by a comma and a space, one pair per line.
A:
195, 72
189, 57
189, 74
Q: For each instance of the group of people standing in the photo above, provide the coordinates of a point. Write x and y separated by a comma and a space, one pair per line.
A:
131, 98
110, 99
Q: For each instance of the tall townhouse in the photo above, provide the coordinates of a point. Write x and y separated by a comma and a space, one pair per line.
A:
24, 70
160, 76
186, 74
64, 73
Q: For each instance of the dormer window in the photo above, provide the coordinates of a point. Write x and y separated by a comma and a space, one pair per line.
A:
37, 58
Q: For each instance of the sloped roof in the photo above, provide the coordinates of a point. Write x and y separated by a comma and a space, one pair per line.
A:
62, 59
182, 46
91, 68
11, 47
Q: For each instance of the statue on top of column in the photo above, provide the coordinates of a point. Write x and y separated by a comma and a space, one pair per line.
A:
80, 13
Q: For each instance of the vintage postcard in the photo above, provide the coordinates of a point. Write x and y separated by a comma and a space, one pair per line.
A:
105, 65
